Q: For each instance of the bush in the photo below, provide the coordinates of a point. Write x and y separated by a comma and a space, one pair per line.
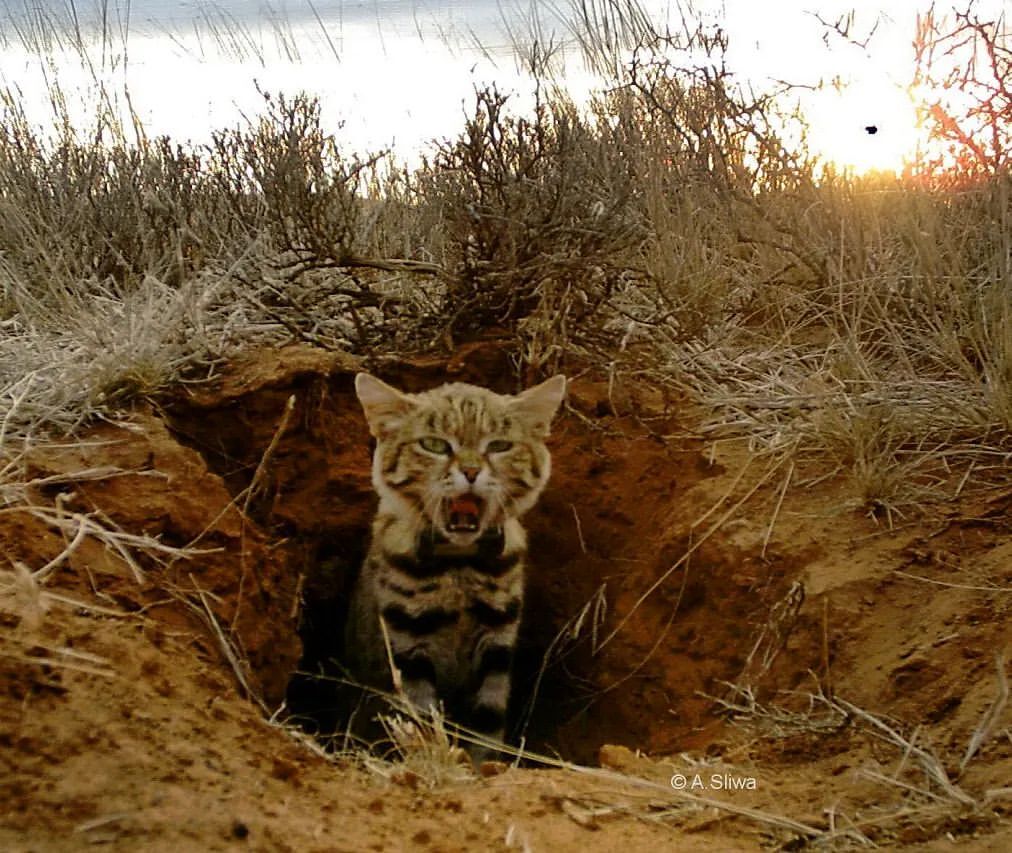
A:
538, 211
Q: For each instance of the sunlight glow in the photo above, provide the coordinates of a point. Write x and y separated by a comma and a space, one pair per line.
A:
866, 126
398, 81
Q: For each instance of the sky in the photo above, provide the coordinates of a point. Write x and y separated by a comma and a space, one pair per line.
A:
395, 73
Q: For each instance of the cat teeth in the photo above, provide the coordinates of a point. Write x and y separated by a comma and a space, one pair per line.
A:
463, 513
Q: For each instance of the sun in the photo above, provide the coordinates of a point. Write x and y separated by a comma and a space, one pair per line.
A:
866, 126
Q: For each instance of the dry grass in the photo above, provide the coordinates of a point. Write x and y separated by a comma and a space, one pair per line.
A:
915, 786
864, 324
423, 750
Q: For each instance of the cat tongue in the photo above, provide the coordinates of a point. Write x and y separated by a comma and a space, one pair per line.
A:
464, 512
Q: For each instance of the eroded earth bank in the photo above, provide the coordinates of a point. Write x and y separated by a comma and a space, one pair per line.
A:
172, 599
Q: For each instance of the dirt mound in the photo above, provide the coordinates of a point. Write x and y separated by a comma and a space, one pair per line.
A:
213, 541
615, 518
175, 535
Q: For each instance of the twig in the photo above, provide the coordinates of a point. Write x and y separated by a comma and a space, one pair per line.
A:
395, 672
103, 472
250, 491
930, 763
228, 650
952, 585
827, 681
82, 531
692, 548
63, 664
268, 454
776, 510
579, 529
772, 638
985, 727
84, 524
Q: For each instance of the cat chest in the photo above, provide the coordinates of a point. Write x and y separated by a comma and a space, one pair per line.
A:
451, 609
453, 619
460, 590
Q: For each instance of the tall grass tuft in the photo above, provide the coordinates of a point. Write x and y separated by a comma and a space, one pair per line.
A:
677, 224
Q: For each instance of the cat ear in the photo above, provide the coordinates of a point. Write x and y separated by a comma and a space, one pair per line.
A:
384, 406
540, 403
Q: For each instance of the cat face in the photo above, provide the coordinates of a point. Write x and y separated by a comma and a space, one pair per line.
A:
460, 458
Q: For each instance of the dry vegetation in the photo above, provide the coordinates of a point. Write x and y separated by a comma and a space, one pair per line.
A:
860, 319
857, 327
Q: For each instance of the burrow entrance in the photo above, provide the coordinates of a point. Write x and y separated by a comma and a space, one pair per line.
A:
615, 518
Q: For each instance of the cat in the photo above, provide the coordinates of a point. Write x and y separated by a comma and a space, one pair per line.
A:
441, 590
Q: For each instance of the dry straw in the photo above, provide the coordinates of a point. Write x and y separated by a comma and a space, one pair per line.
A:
677, 229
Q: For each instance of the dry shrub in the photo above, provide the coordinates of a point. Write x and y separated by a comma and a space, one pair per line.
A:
537, 210
76, 209
284, 172
964, 66
858, 320
717, 181
678, 224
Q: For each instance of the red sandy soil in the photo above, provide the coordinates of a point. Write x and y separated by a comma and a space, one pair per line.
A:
123, 723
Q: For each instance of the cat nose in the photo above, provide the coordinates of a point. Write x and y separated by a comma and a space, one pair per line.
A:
471, 472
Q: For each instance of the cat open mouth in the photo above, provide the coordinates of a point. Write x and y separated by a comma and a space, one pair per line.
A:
463, 513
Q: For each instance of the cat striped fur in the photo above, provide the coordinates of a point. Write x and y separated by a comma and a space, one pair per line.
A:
455, 469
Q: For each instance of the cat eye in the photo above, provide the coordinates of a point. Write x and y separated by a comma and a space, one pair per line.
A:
436, 445
500, 445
